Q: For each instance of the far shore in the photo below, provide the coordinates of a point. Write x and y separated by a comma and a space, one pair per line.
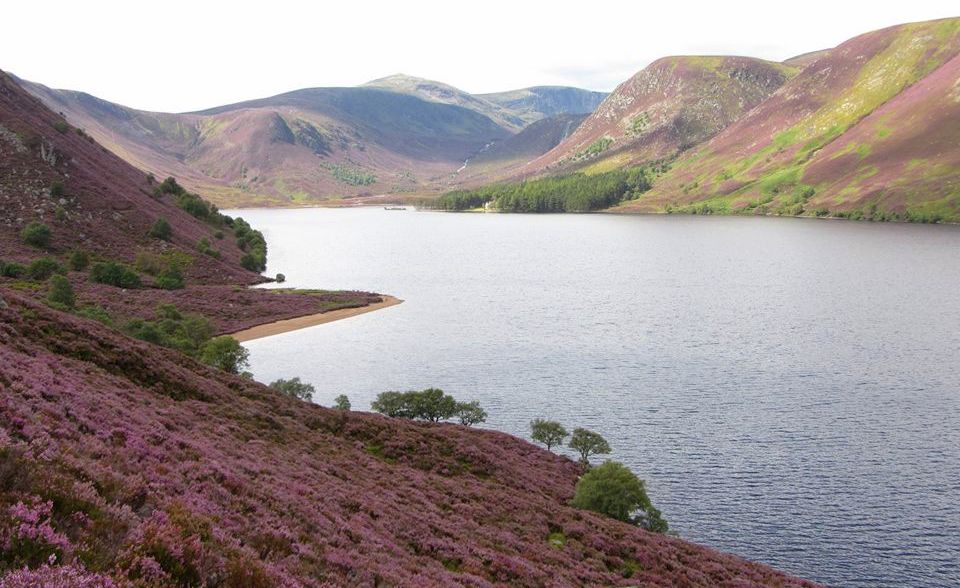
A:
310, 320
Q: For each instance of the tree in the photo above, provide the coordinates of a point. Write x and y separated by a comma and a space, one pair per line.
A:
294, 387
161, 229
36, 234
549, 433
226, 354
433, 405
393, 404
470, 413
588, 443
429, 405
613, 490
61, 293
341, 402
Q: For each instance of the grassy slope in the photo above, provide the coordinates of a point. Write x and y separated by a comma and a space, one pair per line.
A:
674, 103
160, 470
870, 128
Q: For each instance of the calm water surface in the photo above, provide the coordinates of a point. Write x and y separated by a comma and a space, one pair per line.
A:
788, 388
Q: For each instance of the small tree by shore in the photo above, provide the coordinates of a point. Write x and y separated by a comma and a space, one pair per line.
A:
431, 405
549, 433
295, 388
588, 443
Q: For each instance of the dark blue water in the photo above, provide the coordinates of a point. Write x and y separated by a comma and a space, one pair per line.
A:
789, 389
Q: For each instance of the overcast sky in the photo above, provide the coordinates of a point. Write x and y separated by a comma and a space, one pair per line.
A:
176, 55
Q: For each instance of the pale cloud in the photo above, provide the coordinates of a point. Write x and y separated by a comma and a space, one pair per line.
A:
179, 55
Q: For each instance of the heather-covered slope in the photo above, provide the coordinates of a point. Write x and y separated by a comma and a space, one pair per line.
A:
868, 130
395, 135
135, 463
672, 105
94, 202
91, 199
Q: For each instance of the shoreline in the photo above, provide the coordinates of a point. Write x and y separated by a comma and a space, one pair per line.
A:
309, 320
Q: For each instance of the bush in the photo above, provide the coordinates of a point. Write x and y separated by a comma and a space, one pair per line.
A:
114, 274
41, 269
341, 402
588, 443
36, 234
187, 333
79, 260
225, 353
96, 313
161, 229
549, 433
61, 293
252, 242
12, 270
613, 490
295, 388
170, 279
204, 247
61, 126
57, 189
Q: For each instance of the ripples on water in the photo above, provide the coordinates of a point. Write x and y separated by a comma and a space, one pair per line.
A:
788, 388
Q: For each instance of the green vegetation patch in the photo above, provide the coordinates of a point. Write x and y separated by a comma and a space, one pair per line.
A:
569, 193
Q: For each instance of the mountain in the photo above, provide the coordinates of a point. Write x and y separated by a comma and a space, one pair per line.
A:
867, 130
539, 102
392, 136
514, 110
668, 107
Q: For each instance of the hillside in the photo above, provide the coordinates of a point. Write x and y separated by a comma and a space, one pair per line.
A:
539, 102
392, 136
141, 465
503, 158
668, 107
867, 130
99, 207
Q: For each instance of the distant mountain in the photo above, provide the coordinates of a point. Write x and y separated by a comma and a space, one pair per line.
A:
539, 102
391, 136
870, 129
668, 107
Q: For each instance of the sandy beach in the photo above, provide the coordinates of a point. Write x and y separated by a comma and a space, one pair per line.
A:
310, 320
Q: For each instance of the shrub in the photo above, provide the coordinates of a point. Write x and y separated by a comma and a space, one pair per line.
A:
184, 332
470, 413
161, 229
61, 293
61, 126
36, 234
57, 189
341, 402
613, 490
295, 388
204, 247
114, 274
170, 279
41, 269
588, 443
12, 270
225, 353
252, 242
549, 433
79, 260
96, 313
